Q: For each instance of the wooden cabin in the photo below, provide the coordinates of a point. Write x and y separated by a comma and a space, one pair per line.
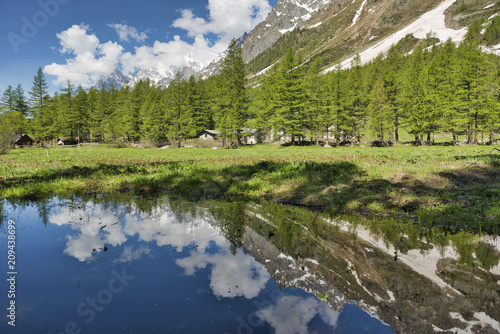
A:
66, 141
208, 134
23, 141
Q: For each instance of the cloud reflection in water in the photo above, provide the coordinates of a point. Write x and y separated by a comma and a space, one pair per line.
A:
231, 276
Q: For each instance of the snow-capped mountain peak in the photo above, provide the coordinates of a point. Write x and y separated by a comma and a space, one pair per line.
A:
286, 16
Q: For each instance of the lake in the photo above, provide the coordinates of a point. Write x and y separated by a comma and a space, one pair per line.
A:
122, 264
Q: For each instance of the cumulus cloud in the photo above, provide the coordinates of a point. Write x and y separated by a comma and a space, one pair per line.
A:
126, 32
96, 228
292, 314
128, 254
176, 53
231, 276
227, 17
91, 59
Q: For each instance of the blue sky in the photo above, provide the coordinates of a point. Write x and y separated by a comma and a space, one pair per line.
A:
81, 40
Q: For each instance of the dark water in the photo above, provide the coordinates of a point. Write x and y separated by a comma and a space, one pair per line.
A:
137, 265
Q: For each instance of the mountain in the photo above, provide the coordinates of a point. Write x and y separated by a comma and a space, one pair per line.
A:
214, 67
160, 74
286, 16
336, 31
116, 79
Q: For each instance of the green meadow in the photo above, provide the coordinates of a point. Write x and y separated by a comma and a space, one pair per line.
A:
454, 188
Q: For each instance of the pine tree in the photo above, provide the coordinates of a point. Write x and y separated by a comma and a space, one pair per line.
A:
98, 115
492, 96
91, 112
45, 122
81, 114
471, 85
9, 99
7, 120
67, 116
379, 111
444, 72
413, 95
111, 120
393, 89
263, 108
291, 97
178, 106
198, 105
121, 104
152, 113
356, 100
20, 111
39, 100
38, 93
233, 104
337, 105
54, 117
132, 121
315, 88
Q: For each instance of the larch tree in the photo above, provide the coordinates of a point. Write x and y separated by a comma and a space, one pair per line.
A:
316, 108
180, 118
379, 111
235, 100
39, 99
291, 97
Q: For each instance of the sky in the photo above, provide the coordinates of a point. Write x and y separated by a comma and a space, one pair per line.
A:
80, 40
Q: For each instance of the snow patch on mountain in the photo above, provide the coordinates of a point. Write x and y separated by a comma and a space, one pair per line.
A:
431, 22
495, 49
315, 25
358, 13
286, 16
284, 31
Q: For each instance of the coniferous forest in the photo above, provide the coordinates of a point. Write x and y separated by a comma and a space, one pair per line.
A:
434, 89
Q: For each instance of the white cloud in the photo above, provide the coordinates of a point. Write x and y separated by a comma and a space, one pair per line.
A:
91, 59
227, 17
76, 40
96, 228
126, 32
174, 53
231, 276
129, 255
292, 314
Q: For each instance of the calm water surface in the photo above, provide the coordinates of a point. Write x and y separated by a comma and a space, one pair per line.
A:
109, 265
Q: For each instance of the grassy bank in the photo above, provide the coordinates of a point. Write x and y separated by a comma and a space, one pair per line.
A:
450, 187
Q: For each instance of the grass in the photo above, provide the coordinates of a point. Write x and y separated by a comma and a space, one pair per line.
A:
454, 188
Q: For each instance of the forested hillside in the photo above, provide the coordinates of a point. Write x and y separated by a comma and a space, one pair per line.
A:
440, 88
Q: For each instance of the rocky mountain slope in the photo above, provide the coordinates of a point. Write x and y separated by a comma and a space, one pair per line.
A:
336, 30
286, 16
160, 75
343, 29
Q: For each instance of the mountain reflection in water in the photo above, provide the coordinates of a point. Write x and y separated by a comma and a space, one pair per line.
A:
249, 268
